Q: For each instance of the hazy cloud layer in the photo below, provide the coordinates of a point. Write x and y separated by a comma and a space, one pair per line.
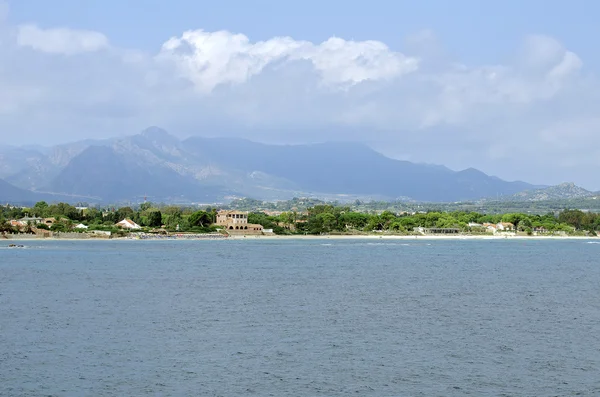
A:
532, 118
60, 40
3, 11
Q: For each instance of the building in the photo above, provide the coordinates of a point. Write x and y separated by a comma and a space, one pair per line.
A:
237, 221
30, 221
490, 227
18, 224
505, 226
128, 224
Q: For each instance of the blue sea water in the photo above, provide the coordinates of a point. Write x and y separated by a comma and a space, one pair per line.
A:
300, 318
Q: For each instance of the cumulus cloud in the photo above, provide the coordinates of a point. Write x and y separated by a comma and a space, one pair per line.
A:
510, 119
60, 40
210, 59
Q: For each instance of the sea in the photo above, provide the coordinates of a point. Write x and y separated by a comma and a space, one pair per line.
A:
330, 317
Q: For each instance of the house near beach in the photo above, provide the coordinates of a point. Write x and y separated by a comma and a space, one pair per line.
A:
30, 221
505, 226
128, 224
17, 224
237, 222
490, 227
499, 227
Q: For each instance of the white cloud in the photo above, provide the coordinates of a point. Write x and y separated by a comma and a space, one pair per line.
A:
60, 40
513, 119
211, 59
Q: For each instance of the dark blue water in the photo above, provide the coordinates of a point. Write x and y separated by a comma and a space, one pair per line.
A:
300, 318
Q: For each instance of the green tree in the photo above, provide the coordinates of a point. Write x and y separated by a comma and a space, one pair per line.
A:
354, 220
40, 209
125, 212
200, 218
573, 218
328, 221
93, 215
375, 223
155, 219
5, 227
64, 210
59, 227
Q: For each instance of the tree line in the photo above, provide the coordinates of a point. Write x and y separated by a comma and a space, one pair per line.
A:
317, 219
330, 219
147, 215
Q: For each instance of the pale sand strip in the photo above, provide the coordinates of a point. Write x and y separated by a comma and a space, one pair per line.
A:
403, 237
313, 237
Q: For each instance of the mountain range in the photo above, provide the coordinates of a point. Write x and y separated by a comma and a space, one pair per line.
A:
564, 191
159, 166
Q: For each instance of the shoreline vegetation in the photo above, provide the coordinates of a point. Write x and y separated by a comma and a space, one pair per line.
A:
322, 221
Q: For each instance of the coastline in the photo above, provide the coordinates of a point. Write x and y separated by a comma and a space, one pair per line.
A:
313, 237
403, 237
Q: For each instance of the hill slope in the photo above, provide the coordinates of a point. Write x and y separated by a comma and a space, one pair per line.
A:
14, 195
348, 168
103, 172
159, 165
558, 192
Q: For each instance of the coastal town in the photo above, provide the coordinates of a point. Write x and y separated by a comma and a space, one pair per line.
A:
227, 223
146, 221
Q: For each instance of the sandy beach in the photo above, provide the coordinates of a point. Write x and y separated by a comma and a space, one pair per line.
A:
403, 237
312, 237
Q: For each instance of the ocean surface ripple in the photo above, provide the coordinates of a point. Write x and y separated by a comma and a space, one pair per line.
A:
300, 318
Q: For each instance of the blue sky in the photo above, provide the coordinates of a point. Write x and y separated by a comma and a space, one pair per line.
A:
473, 30
507, 87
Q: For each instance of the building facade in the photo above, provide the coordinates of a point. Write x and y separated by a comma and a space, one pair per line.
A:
237, 221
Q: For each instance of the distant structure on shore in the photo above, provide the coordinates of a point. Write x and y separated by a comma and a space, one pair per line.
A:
237, 221
128, 224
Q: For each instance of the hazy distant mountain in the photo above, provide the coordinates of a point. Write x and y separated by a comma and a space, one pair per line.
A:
13, 194
24, 167
33, 166
351, 168
109, 175
559, 192
157, 164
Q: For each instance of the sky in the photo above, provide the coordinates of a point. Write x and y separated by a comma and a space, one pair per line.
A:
507, 87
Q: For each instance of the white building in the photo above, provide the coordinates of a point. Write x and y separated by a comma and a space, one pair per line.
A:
128, 224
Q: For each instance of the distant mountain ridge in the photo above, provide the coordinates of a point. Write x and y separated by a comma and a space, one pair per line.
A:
156, 164
13, 194
10, 194
559, 192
